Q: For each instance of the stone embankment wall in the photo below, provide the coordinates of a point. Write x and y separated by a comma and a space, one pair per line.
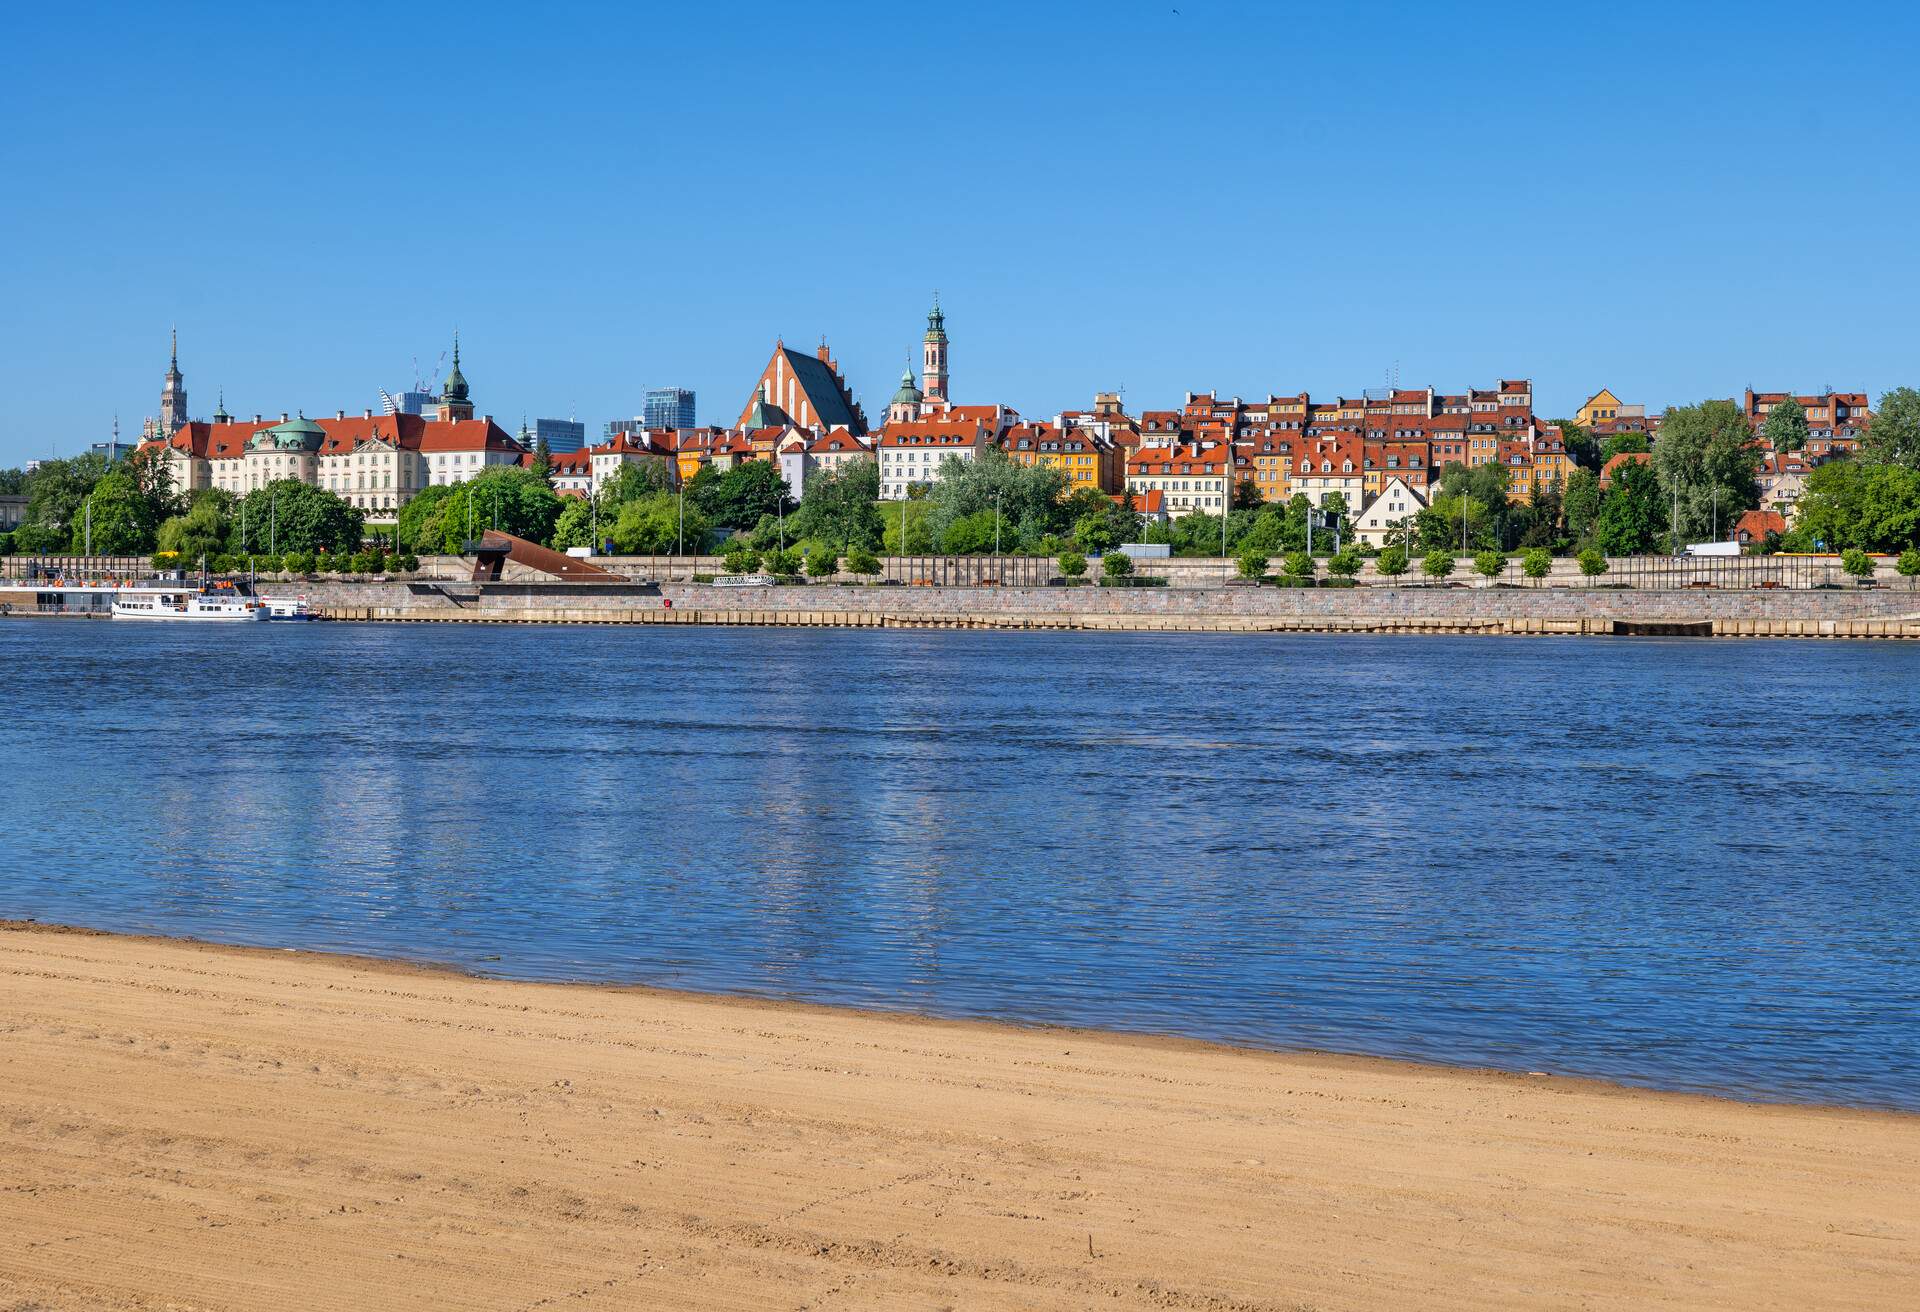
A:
1845, 613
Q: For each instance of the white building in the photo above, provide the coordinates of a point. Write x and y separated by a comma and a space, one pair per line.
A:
1399, 501
911, 453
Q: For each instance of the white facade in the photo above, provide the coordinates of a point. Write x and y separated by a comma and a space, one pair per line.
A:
1397, 503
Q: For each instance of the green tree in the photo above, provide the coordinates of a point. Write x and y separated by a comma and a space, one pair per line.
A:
1298, 565
574, 527
1857, 503
116, 517
1581, 504
861, 561
1593, 562
56, 491
738, 498
1117, 565
1438, 564
1392, 563
200, 532
633, 480
1246, 495
822, 563
1892, 436
909, 518
1857, 563
1621, 444
1252, 563
1786, 426
651, 525
1072, 564
288, 515
740, 558
1026, 497
1490, 565
839, 506
1345, 564
1909, 562
1537, 563
504, 497
1633, 513
1707, 465
1582, 449
783, 564
543, 461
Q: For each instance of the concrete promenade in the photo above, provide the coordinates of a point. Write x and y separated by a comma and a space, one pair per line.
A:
1820, 613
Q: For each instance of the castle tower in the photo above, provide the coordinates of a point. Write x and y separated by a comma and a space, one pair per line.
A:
906, 402
454, 402
173, 396
933, 367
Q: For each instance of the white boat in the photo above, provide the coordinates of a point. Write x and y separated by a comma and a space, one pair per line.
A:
185, 604
287, 608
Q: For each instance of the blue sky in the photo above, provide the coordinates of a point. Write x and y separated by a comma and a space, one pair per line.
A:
1670, 200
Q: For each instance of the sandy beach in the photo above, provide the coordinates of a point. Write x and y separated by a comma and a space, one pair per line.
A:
199, 1128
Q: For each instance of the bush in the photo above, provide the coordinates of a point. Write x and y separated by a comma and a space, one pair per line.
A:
1490, 564
1345, 565
1252, 562
407, 563
297, 562
783, 564
822, 564
1072, 564
1909, 563
1857, 563
1392, 562
1438, 564
862, 561
366, 562
164, 560
1117, 565
741, 558
224, 564
1537, 563
1298, 565
1593, 562
267, 563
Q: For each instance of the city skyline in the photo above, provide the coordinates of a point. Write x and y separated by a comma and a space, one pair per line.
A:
1622, 208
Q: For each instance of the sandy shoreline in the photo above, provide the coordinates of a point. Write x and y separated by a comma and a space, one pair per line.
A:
189, 1126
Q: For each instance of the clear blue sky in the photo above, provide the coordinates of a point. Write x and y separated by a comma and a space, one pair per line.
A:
1670, 200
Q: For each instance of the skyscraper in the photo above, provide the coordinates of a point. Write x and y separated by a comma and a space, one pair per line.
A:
669, 407
561, 435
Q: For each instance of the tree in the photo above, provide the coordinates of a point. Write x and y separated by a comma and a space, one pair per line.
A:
1299, 565
56, 491
861, 561
1345, 564
1537, 563
152, 473
1593, 563
543, 461
504, 497
1392, 563
1582, 449
1490, 565
741, 559
418, 521
631, 481
822, 563
288, 515
783, 564
1632, 514
738, 498
200, 532
1072, 564
1909, 563
651, 525
1707, 464
1252, 563
1027, 497
839, 506
116, 518
1786, 426
1892, 436
1857, 563
1581, 504
1117, 565
1438, 564
1620, 444
1856, 503
574, 528
1246, 495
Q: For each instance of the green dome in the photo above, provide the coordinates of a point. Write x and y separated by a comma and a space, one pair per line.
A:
908, 393
300, 434
456, 388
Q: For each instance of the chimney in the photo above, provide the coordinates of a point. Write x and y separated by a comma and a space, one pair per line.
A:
339, 414
283, 416
368, 414
258, 420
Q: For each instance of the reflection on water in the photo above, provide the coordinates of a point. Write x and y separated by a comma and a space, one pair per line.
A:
1681, 864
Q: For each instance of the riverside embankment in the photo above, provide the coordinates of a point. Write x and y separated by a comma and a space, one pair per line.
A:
1810, 613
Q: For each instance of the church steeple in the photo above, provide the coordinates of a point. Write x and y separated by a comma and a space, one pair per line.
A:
454, 402
933, 356
173, 394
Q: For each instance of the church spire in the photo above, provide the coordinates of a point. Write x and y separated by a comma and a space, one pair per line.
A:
933, 356
173, 394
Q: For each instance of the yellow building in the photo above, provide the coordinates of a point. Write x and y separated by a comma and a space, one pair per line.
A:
1082, 457
1599, 407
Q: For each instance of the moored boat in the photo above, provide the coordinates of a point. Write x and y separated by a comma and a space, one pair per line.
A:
186, 604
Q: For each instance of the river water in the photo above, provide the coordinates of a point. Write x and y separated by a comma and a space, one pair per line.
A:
1685, 864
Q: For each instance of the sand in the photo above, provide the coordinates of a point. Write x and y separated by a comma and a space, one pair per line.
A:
187, 1127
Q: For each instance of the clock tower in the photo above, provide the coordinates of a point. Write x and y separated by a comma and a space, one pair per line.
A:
933, 361
173, 395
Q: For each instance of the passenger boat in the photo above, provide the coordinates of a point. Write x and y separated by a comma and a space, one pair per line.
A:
287, 608
214, 604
